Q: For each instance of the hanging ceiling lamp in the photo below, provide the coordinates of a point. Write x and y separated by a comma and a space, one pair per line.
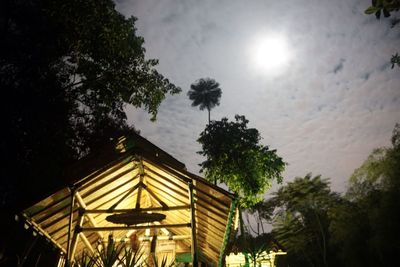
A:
135, 217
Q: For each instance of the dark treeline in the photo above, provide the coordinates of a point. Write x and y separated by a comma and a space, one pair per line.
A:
318, 227
67, 70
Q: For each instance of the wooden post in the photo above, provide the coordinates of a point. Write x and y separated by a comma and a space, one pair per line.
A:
141, 179
75, 237
139, 193
195, 262
228, 231
71, 211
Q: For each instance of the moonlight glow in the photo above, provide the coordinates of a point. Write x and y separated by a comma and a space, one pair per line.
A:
269, 53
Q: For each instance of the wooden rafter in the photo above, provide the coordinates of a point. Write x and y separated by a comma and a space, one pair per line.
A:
116, 228
195, 261
39, 229
105, 171
71, 217
139, 194
162, 203
138, 185
197, 212
86, 242
89, 216
169, 208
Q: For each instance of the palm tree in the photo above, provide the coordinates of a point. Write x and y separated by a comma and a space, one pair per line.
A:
205, 93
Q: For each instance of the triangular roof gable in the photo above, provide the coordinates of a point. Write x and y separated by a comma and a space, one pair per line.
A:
134, 174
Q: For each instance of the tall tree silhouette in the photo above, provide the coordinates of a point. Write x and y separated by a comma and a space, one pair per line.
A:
67, 71
205, 93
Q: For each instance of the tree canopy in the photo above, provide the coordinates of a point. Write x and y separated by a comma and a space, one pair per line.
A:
67, 71
206, 94
234, 156
318, 227
374, 192
299, 212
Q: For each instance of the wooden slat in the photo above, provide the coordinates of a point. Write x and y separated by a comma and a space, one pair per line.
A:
39, 229
181, 186
103, 172
128, 175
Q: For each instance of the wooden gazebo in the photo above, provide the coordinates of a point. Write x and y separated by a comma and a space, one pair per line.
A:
190, 218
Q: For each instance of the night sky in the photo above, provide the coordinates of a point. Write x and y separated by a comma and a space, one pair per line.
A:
324, 108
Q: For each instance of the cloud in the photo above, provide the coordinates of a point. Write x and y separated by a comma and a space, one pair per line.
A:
339, 66
336, 101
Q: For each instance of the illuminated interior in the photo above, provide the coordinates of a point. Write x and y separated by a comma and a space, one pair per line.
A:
140, 177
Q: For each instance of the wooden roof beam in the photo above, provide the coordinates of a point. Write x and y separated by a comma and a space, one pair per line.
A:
86, 242
99, 211
193, 246
138, 185
39, 229
105, 171
162, 203
116, 228
88, 216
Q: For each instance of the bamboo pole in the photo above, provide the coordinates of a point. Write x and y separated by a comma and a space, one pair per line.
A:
71, 217
89, 216
75, 237
116, 228
230, 221
195, 261
87, 243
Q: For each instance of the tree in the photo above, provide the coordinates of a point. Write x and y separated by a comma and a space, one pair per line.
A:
300, 214
234, 156
67, 70
349, 230
386, 7
206, 94
373, 222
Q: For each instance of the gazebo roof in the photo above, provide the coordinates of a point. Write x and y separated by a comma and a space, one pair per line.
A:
133, 174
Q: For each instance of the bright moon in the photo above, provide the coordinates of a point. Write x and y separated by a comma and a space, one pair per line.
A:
270, 53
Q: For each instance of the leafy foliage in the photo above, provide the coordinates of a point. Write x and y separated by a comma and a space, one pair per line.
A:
84, 260
108, 255
318, 227
132, 258
112, 254
395, 60
372, 222
386, 7
205, 93
299, 212
67, 70
235, 157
